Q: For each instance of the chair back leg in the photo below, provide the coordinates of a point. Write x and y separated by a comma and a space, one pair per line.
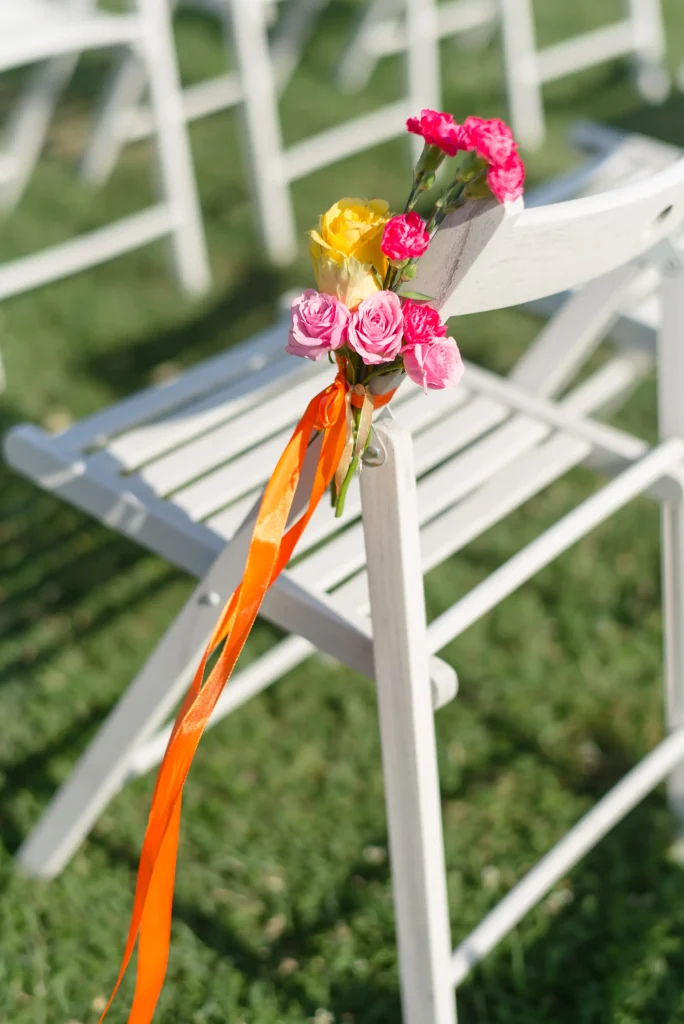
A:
652, 78
263, 136
671, 424
522, 72
407, 731
173, 149
28, 126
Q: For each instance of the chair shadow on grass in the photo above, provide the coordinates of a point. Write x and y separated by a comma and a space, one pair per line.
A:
248, 305
574, 969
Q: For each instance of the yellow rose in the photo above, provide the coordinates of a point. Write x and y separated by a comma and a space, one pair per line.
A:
346, 248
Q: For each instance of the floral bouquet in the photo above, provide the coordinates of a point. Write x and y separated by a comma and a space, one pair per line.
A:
365, 314
366, 318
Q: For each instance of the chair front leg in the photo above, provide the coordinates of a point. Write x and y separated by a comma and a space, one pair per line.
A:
407, 731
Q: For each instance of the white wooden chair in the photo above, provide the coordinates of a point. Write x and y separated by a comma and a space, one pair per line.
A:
50, 34
177, 468
380, 31
124, 118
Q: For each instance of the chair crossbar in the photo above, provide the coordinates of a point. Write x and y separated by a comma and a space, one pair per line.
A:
583, 51
389, 36
344, 140
607, 813
85, 251
553, 542
67, 34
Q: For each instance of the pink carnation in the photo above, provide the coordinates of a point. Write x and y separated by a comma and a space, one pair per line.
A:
376, 328
405, 237
319, 323
422, 323
506, 182
492, 140
434, 366
439, 129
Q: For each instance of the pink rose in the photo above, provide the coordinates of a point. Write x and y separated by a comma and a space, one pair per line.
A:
405, 237
376, 328
439, 129
492, 140
434, 366
422, 323
506, 182
319, 323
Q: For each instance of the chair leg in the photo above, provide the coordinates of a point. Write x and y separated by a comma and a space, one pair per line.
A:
263, 136
173, 149
652, 78
124, 89
407, 731
522, 73
358, 60
670, 366
28, 126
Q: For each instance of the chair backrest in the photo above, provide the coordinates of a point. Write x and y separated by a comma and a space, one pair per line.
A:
488, 256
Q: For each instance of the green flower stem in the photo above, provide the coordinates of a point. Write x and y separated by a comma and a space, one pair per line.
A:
353, 466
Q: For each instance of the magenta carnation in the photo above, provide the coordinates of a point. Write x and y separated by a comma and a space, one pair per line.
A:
439, 129
435, 365
422, 323
319, 323
506, 182
492, 140
376, 328
405, 237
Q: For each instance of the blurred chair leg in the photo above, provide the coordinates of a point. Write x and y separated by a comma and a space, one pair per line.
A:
28, 126
422, 60
125, 87
652, 78
359, 59
264, 143
671, 416
173, 150
522, 73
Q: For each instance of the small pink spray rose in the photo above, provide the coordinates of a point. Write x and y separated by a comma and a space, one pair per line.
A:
435, 365
319, 323
405, 237
422, 323
506, 181
492, 140
376, 328
439, 129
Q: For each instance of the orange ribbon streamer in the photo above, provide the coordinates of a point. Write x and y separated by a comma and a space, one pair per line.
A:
270, 550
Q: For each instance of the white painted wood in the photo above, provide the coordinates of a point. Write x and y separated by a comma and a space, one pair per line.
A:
671, 425
521, 59
585, 50
542, 251
611, 809
407, 733
55, 32
558, 538
28, 124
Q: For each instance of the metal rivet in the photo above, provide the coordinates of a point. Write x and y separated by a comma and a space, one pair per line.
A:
212, 598
373, 455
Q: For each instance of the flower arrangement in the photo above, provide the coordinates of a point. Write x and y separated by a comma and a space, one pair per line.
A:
365, 318
364, 314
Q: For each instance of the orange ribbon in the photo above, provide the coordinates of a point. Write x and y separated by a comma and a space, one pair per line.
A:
270, 550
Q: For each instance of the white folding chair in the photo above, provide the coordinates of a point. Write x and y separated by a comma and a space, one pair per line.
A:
262, 70
123, 118
639, 34
50, 34
177, 469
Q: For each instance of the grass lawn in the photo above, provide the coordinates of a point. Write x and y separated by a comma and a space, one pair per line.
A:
283, 910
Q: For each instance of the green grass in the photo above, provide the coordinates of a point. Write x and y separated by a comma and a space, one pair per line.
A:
283, 906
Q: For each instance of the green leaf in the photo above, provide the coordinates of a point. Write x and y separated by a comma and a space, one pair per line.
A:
418, 296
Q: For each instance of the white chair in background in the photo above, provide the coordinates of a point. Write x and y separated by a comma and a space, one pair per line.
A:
123, 118
50, 34
381, 31
178, 468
